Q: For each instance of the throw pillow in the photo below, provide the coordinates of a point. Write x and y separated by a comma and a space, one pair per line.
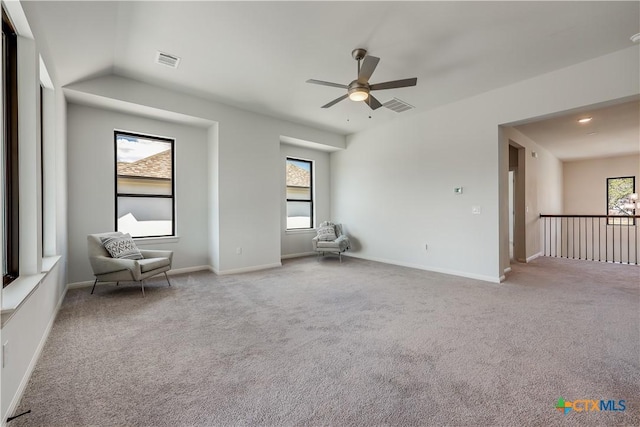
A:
327, 233
122, 247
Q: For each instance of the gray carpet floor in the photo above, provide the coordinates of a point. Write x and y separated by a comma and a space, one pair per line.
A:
356, 343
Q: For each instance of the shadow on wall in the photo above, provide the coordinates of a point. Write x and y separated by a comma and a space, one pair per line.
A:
355, 244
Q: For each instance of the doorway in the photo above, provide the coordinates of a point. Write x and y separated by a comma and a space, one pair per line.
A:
512, 212
517, 202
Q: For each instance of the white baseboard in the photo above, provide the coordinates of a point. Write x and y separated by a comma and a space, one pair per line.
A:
76, 285
534, 256
506, 271
300, 255
247, 269
435, 270
186, 270
172, 272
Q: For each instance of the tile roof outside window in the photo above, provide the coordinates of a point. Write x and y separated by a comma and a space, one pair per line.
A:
156, 166
297, 177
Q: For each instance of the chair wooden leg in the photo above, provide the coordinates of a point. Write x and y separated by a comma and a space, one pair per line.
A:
165, 275
142, 284
94, 286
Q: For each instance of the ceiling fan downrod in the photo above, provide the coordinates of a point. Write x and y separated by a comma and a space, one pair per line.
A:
358, 54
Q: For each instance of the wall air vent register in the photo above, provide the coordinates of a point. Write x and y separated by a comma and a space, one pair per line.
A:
168, 60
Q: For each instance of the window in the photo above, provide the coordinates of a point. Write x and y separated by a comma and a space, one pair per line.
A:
299, 194
10, 189
144, 185
619, 201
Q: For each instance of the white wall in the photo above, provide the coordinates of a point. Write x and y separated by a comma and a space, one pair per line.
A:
394, 184
244, 174
585, 182
91, 184
26, 332
543, 188
394, 188
298, 242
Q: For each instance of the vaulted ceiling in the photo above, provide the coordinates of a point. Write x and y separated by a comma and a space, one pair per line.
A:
258, 55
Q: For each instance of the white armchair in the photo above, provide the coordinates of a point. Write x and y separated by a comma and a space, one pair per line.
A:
331, 238
108, 269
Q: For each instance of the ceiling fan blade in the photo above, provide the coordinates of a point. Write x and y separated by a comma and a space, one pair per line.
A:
368, 67
394, 84
372, 102
323, 83
335, 101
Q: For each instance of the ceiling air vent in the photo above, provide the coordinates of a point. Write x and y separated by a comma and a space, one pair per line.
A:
397, 105
167, 59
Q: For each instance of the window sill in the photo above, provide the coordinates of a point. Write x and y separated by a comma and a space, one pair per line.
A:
301, 231
155, 240
20, 289
49, 262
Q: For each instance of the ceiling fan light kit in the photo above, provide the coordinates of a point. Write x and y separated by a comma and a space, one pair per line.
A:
358, 95
360, 89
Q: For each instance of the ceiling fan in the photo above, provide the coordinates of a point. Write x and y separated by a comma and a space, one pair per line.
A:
359, 89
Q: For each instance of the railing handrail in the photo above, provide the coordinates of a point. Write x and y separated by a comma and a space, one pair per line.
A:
589, 216
608, 238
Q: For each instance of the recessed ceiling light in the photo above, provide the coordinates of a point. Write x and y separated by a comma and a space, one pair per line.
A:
635, 38
585, 120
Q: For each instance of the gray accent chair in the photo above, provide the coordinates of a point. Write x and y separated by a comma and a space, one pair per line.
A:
107, 269
337, 246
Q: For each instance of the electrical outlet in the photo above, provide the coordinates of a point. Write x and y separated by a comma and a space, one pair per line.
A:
476, 210
426, 247
239, 251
